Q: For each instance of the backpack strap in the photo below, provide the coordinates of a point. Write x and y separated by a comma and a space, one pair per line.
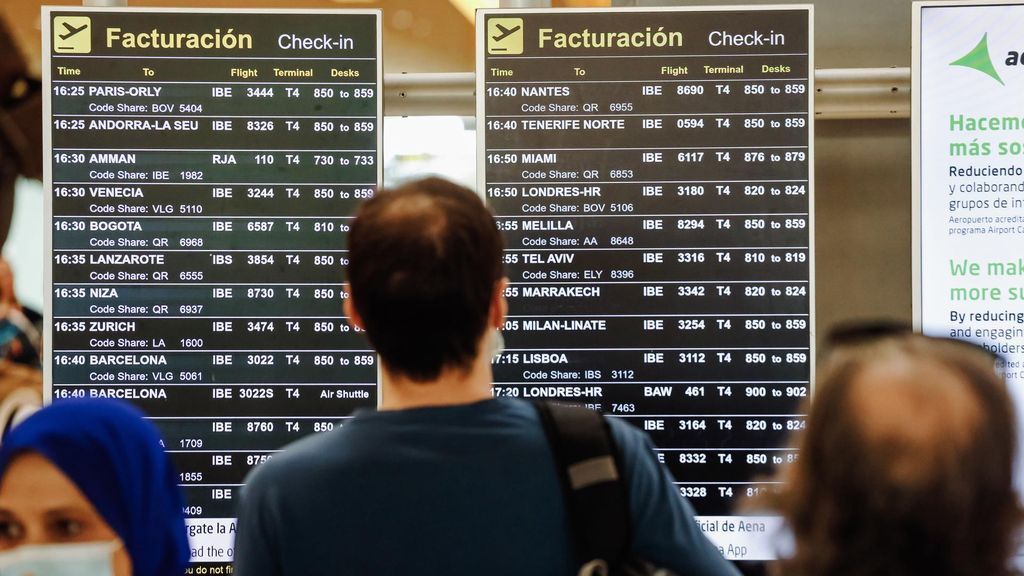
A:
595, 493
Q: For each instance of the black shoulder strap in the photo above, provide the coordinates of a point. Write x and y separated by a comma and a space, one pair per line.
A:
595, 493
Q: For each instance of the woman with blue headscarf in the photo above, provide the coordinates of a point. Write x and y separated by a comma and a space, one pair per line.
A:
86, 488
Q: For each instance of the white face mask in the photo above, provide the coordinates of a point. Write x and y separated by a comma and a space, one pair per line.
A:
87, 559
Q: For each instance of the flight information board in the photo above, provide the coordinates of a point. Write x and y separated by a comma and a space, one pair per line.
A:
651, 171
202, 169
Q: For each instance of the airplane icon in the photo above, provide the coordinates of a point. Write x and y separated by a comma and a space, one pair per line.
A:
504, 31
71, 35
505, 36
72, 30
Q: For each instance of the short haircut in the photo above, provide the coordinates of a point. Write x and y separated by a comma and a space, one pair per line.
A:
906, 465
424, 261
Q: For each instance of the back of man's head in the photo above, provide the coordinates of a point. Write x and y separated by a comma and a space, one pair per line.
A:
424, 263
906, 466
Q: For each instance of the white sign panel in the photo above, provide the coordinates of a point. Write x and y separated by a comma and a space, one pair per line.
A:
968, 136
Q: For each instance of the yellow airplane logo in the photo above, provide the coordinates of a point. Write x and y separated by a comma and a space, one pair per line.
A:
505, 36
71, 35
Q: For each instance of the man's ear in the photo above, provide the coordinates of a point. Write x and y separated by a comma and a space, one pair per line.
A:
499, 305
349, 308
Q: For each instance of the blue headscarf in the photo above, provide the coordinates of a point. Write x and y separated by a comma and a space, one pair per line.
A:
115, 458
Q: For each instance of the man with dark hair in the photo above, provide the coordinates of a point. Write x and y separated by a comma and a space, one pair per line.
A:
21, 126
444, 478
425, 262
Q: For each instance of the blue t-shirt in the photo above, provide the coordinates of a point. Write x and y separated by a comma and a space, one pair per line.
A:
456, 490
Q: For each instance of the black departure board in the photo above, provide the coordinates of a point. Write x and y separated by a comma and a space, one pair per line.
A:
203, 167
651, 171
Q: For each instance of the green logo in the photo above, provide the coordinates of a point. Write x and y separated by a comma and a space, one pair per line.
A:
979, 59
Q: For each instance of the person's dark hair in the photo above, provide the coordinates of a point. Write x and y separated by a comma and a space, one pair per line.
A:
906, 465
424, 261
